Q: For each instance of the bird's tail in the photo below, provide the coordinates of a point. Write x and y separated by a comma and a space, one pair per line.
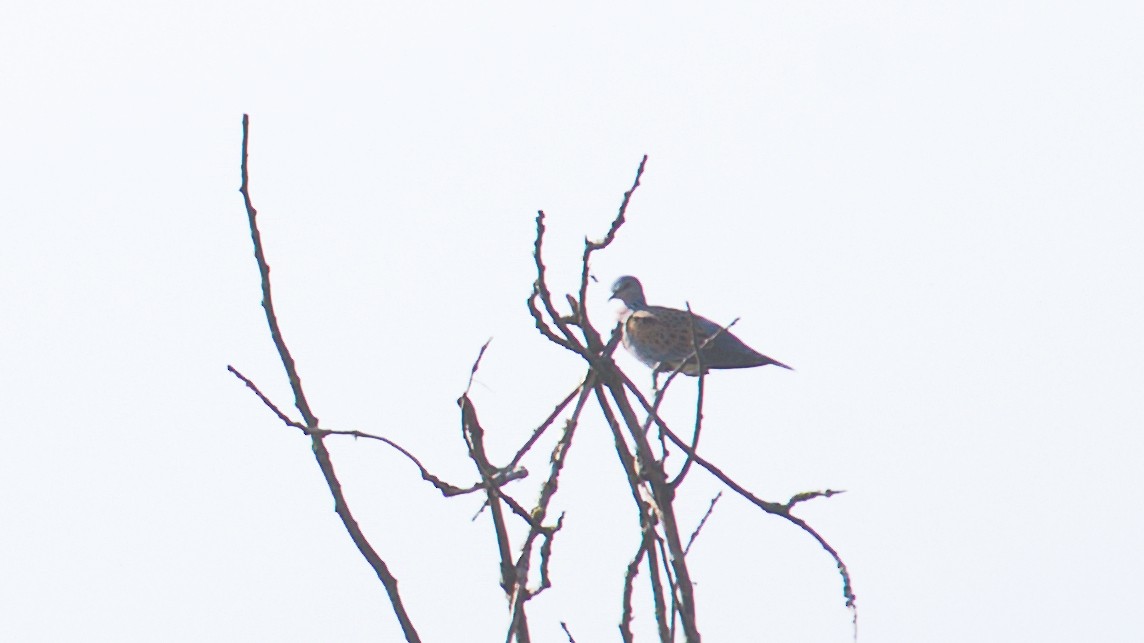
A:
777, 363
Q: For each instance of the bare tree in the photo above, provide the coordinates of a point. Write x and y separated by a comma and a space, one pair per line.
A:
662, 548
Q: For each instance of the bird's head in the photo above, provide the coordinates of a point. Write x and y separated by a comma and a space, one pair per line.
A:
628, 290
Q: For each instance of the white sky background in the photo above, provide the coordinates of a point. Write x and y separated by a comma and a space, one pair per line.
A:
932, 212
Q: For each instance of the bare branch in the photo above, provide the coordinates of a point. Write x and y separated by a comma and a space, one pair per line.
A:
522, 593
698, 402
647, 518
775, 508
265, 400
663, 504
539, 431
474, 436
380, 568
540, 289
546, 555
673, 586
665, 625
592, 246
627, 460
321, 454
542, 326
629, 586
267, 300
782, 510
810, 495
703, 521
564, 626
499, 479
513, 576
477, 364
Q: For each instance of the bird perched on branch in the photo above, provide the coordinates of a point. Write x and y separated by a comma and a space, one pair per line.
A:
662, 337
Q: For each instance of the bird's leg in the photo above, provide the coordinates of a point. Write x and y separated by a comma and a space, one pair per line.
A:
655, 378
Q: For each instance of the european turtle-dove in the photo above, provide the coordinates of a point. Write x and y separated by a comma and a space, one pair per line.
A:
661, 337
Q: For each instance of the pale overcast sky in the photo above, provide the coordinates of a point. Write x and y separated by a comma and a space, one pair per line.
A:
932, 211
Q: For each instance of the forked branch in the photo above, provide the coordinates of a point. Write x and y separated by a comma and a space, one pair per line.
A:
310, 420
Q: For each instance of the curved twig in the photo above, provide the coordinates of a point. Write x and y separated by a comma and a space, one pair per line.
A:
592, 246
778, 509
702, 521
321, 454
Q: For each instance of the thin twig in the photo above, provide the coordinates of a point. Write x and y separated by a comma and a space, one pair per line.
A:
446, 489
629, 586
265, 400
775, 508
477, 364
541, 290
810, 495
267, 300
321, 454
592, 246
698, 401
474, 436
499, 479
665, 625
676, 600
546, 555
541, 325
703, 521
627, 460
647, 518
539, 431
548, 490
783, 511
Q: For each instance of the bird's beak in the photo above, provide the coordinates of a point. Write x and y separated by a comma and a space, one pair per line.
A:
613, 297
